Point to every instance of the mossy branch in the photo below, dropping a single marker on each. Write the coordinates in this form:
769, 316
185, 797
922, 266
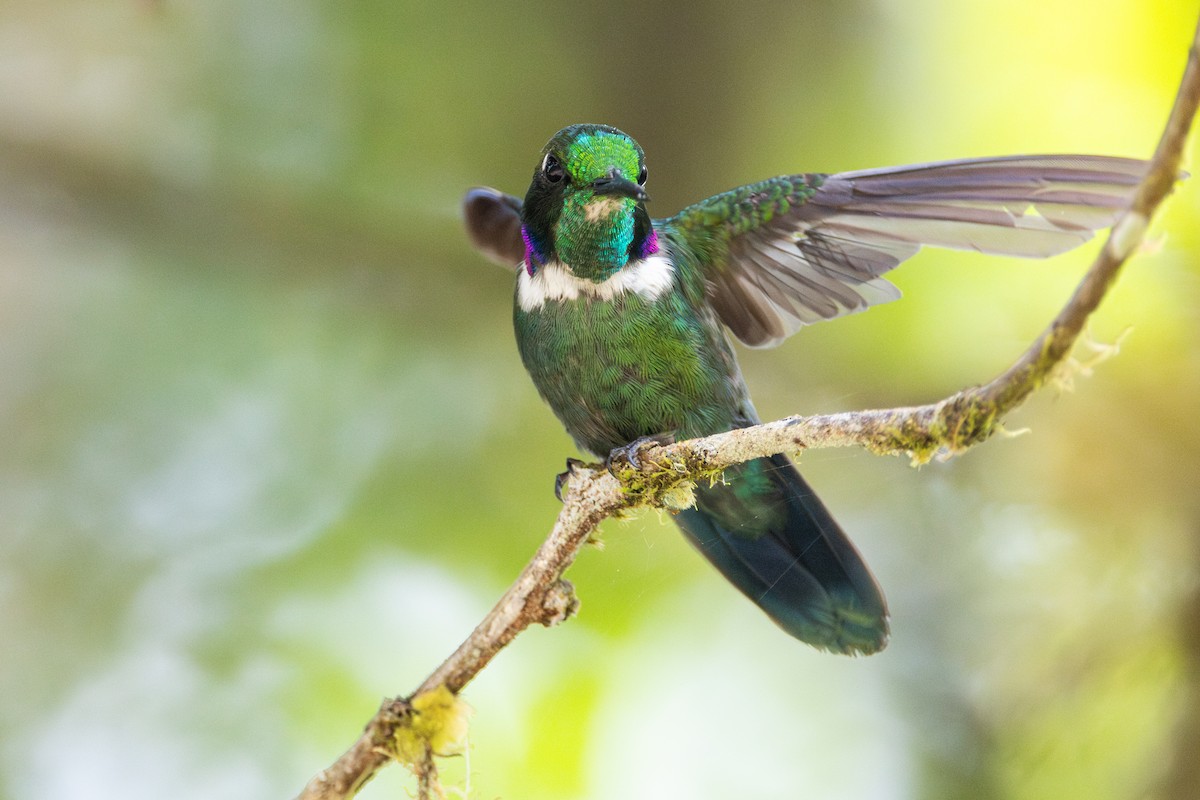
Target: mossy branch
431, 721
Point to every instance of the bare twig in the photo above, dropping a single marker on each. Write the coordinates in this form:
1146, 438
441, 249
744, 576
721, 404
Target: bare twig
541, 596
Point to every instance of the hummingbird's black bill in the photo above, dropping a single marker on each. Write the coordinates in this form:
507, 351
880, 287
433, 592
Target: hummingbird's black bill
615, 184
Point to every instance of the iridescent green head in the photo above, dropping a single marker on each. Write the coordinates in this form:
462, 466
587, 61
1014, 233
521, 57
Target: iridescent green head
586, 205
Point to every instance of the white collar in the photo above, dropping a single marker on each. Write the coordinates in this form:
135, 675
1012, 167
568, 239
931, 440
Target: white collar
650, 277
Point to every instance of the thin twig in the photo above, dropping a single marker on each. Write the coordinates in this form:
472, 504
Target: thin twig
541, 596
428, 787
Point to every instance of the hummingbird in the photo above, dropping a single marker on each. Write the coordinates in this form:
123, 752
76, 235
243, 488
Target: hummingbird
625, 323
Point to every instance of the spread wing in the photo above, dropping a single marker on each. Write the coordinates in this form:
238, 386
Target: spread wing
798, 249
493, 221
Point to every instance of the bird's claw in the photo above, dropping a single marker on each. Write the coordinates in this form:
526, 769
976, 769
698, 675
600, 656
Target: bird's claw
630, 452
560, 480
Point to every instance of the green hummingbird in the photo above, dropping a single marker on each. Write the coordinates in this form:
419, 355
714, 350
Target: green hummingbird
623, 321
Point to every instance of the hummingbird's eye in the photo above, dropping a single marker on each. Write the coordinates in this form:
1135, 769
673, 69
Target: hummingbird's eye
552, 169
642, 176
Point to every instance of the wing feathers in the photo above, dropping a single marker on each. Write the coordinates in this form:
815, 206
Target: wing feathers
975, 173
1038, 237
493, 222
823, 255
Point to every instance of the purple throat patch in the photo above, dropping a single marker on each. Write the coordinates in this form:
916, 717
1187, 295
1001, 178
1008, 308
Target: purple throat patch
533, 258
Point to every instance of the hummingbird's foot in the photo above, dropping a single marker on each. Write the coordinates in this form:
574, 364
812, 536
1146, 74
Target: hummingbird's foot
630, 452
560, 480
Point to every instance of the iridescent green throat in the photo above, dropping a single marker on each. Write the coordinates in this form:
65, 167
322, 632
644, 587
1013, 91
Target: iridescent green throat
594, 234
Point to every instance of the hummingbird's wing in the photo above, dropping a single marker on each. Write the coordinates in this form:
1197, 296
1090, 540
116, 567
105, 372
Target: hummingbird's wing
799, 249
493, 221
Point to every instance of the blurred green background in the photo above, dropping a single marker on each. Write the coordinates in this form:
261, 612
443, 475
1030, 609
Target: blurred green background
267, 452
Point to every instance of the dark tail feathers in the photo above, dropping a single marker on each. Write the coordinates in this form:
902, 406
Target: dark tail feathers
769, 534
